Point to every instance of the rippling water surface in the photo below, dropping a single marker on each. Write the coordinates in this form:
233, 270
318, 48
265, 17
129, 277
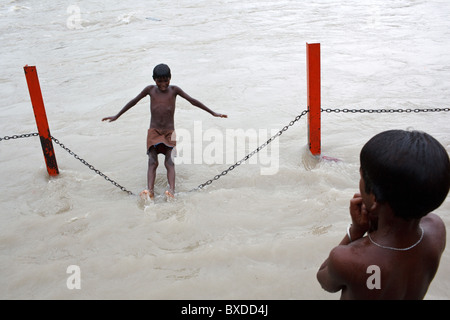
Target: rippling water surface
248, 235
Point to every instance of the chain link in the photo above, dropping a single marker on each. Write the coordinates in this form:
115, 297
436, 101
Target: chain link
101, 174
35, 134
19, 136
225, 172
248, 156
385, 110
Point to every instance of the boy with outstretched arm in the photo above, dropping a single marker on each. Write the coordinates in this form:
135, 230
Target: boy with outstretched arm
161, 134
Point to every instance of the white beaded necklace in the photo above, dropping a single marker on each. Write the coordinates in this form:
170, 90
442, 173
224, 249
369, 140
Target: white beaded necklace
398, 249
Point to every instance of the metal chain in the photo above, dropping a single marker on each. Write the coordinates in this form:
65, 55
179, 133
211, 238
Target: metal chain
238, 163
101, 174
18, 136
385, 110
35, 134
225, 172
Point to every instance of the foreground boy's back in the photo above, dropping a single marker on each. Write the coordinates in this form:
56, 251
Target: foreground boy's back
404, 176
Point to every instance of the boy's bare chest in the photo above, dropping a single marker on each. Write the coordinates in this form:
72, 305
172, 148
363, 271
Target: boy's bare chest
162, 106
166, 99
162, 109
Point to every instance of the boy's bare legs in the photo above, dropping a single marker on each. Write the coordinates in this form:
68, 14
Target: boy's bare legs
151, 174
170, 167
153, 165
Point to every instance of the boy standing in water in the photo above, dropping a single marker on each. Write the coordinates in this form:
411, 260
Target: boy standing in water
161, 135
404, 176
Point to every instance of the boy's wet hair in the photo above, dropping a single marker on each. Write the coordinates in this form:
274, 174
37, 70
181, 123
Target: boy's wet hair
409, 170
161, 71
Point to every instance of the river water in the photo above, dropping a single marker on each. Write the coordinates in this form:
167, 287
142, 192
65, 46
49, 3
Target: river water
262, 230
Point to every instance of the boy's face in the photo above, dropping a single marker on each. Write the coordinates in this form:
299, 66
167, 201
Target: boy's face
369, 204
162, 83
362, 190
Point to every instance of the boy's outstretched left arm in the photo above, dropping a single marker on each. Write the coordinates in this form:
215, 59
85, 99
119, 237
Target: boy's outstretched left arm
197, 103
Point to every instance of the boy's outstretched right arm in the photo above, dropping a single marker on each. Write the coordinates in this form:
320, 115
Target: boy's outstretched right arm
129, 105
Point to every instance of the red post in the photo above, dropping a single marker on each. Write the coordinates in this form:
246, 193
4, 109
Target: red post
41, 119
313, 92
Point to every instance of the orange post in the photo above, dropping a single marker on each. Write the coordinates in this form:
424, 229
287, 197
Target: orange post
41, 119
313, 92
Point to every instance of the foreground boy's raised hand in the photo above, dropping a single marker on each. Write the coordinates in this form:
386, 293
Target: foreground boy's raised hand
360, 217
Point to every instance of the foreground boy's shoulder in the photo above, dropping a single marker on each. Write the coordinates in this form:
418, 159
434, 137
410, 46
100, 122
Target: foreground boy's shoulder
433, 224
433, 218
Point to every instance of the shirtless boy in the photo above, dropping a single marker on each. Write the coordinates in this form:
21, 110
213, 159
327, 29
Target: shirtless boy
161, 135
404, 176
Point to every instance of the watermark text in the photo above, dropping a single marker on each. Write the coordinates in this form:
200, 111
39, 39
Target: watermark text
374, 280
214, 146
74, 280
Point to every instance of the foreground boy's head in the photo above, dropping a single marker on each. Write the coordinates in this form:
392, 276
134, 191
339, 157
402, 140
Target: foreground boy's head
409, 170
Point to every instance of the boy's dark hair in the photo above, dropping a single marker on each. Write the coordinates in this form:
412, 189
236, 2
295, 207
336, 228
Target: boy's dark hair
161, 71
409, 170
